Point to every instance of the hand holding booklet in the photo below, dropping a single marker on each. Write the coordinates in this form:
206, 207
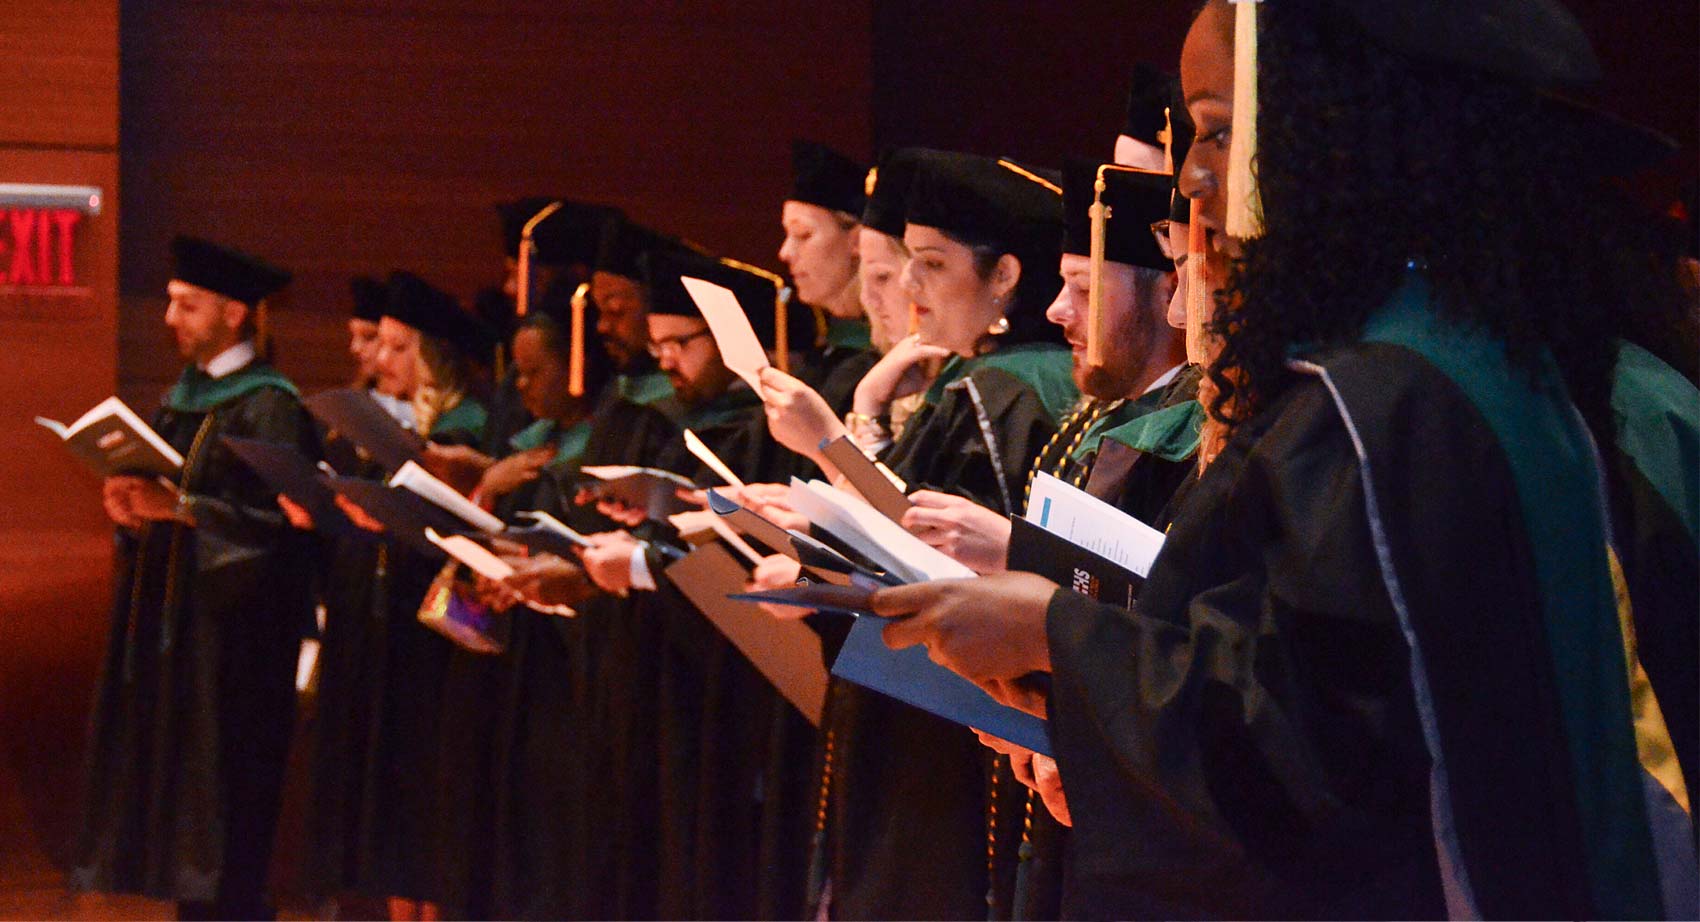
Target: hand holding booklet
650, 489
907, 675
111, 439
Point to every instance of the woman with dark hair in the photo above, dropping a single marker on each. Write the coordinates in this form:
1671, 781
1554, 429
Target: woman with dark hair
1318, 706
536, 708
984, 238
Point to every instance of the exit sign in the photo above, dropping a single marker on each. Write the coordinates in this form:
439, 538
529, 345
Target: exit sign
39, 226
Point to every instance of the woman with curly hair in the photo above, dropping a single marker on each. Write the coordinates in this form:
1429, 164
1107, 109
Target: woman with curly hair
1377, 669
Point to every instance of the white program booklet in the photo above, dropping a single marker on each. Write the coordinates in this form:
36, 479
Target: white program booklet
415, 478
1093, 524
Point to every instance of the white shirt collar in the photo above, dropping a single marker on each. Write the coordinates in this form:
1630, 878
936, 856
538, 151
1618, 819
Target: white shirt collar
1163, 379
230, 360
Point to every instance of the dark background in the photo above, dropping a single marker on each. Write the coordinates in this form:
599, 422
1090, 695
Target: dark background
344, 136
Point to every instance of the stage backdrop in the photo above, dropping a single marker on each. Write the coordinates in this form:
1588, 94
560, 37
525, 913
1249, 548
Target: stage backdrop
58, 352
344, 136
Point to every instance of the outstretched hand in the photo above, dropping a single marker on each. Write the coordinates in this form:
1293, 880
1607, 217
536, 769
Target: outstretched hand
990, 630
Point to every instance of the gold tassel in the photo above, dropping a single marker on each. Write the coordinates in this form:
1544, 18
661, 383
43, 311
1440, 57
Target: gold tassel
575, 360
1168, 140
1198, 300
527, 250
1245, 203
1100, 215
914, 318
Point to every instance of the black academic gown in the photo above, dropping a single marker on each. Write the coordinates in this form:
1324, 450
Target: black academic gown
715, 713
910, 798
196, 704
376, 825
1258, 738
1132, 454
542, 718
617, 859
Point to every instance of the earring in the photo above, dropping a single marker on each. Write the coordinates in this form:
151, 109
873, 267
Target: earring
999, 327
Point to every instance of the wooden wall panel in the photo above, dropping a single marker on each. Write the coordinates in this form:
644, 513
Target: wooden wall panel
60, 73
58, 124
344, 137
1047, 81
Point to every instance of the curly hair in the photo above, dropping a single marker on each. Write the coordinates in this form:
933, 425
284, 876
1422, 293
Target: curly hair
1368, 160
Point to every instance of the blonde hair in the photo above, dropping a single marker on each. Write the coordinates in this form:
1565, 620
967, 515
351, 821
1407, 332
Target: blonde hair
443, 378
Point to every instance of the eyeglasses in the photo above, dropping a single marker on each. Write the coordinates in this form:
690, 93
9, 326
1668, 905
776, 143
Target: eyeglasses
1160, 230
659, 346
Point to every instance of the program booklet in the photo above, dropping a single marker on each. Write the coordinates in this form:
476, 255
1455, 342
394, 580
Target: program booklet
112, 439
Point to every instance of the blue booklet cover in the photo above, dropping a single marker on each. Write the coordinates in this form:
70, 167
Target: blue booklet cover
909, 676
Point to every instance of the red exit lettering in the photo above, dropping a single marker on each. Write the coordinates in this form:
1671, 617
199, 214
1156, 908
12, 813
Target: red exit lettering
36, 246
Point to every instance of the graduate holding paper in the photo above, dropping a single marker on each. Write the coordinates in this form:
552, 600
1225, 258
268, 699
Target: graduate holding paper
373, 824
212, 597
1317, 707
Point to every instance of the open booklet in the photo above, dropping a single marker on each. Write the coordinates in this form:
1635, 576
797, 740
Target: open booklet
651, 489
354, 415
485, 563
907, 675
288, 472
1077, 540
112, 439
546, 535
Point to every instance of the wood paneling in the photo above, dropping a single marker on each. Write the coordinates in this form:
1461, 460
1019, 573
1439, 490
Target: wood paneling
58, 124
59, 79
344, 137
1046, 81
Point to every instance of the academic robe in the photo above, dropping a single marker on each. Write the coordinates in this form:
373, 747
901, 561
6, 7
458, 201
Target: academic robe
1376, 669
716, 714
1147, 446
617, 859
195, 709
910, 801
375, 827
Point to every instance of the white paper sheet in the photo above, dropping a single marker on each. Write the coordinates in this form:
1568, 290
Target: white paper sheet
873, 535
1093, 524
707, 456
740, 349
420, 481
481, 561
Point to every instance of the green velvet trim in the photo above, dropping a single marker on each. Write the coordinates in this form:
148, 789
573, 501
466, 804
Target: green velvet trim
198, 392
1658, 427
1170, 433
1553, 467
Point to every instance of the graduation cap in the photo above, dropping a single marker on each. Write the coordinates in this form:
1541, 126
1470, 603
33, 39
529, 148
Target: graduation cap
1110, 210
369, 297
778, 321
1537, 44
1151, 95
434, 312
228, 272
996, 203
623, 243
887, 187
1131, 198
822, 176
567, 235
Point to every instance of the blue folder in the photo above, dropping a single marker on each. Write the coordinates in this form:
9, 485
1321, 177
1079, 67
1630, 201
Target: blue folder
909, 676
